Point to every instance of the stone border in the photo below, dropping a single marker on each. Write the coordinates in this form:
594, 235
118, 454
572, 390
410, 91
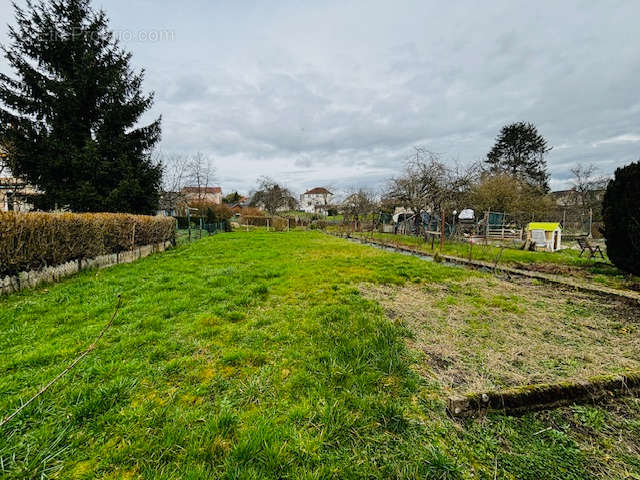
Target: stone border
486, 266
34, 278
518, 400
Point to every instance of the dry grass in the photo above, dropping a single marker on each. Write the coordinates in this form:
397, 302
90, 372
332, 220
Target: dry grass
485, 333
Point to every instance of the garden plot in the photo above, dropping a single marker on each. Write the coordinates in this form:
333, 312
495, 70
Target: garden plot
484, 333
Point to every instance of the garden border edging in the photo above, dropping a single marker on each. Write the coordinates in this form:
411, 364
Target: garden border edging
518, 400
33, 278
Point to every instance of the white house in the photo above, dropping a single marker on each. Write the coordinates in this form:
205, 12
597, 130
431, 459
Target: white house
317, 200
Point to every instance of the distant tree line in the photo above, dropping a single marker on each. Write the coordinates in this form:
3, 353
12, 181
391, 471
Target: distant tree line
513, 179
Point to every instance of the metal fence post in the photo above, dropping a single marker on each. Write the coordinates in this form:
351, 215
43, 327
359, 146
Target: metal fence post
189, 222
442, 231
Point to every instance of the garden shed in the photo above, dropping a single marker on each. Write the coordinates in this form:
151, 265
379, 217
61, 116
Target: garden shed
547, 235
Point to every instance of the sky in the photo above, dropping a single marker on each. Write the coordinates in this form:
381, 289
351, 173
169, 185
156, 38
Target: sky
336, 93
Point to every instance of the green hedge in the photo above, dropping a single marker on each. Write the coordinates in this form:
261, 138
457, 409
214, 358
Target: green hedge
29, 241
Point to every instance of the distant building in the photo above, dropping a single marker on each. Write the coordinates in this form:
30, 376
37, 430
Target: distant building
237, 207
170, 204
202, 194
15, 195
174, 204
572, 198
317, 200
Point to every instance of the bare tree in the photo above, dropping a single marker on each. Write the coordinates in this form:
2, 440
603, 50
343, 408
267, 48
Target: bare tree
358, 205
272, 196
427, 184
200, 173
586, 183
174, 171
174, 178
180, 171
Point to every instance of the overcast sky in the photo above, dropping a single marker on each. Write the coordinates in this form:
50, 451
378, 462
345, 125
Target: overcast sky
337, 92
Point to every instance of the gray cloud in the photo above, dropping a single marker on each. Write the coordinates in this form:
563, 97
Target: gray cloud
338, 92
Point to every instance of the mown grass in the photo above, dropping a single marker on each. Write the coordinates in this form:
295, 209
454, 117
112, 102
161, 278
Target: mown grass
254, 355
563, 262
182, 236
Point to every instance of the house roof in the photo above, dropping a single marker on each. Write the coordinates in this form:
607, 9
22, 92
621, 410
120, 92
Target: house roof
201, 190
12, 181
559, 193
546, 226
318, 191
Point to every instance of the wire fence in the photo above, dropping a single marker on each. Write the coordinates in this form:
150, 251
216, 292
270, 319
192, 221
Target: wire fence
196, 229
489, 225
484, 228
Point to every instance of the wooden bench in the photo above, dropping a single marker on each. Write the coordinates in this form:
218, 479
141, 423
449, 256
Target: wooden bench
584, 244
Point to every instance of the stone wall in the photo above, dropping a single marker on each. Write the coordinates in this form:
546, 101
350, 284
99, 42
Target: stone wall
34, 278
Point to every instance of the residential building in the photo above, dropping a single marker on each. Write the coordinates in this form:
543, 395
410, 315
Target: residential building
171, 204
202, 194
15, 195
236, 207
571, 198
317, 200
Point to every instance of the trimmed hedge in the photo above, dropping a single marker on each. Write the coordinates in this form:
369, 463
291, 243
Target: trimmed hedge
30, 241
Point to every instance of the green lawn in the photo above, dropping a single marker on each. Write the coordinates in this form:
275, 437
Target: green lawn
255, 355
563, 262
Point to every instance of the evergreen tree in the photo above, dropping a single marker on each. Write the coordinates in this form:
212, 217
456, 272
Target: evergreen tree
621, 214
71, 112
519, 151
232, 198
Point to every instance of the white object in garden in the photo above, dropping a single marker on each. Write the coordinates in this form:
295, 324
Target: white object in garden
547, 235
466, 214
539, 238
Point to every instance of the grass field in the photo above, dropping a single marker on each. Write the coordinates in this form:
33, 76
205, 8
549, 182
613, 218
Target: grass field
256, 355
564, 262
